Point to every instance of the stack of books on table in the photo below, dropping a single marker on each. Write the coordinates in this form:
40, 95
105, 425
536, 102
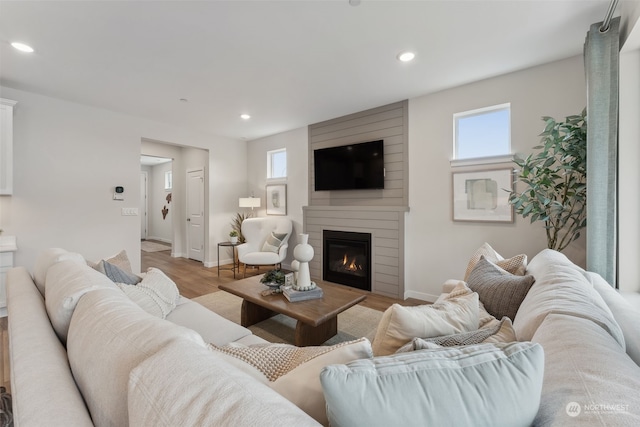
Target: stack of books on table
295, 296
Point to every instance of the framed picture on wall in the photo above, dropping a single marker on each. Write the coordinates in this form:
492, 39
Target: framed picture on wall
483, 195
276, 199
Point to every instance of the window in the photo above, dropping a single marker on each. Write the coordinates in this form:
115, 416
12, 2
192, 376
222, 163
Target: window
277, 163
168, 180
482, 133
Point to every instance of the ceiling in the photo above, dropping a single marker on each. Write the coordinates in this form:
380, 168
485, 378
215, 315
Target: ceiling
286, 63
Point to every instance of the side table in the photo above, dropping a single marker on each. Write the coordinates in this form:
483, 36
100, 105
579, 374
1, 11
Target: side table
234, 253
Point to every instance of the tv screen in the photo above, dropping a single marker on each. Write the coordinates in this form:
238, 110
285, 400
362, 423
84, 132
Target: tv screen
350, 167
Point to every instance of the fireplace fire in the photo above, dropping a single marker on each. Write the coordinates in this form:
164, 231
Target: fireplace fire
347, 258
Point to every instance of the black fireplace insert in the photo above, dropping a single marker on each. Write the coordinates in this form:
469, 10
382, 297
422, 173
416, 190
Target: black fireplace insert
347, 258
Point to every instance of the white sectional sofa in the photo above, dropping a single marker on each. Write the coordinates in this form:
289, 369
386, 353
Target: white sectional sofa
117, 365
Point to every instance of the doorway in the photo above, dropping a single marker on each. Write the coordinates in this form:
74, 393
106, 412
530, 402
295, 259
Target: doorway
156, 209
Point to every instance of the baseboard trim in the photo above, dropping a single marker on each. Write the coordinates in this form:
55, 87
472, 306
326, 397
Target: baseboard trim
421, 296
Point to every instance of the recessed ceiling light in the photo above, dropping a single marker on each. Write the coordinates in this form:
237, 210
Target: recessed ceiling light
245, 116
406, 56
22, 47
184, 100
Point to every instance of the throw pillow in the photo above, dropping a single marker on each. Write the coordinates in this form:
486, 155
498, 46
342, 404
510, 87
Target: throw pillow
117, 274
501, 331
500, 292
294, 371
485, 384
156, 294
273, 242
516, 265
400, 324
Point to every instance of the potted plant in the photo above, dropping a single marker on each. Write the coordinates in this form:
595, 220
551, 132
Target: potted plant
236, 224
233, 236
555, 181
273, 278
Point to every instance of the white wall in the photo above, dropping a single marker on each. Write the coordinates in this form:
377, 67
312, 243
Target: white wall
297, 144
67, 160
629, 152
438, 248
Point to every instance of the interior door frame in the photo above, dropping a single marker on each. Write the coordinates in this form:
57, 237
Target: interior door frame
145, 205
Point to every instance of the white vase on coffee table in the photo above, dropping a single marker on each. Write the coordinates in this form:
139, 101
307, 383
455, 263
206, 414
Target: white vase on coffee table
303, 253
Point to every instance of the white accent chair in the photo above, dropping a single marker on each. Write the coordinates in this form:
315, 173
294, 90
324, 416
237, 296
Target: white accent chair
255, 232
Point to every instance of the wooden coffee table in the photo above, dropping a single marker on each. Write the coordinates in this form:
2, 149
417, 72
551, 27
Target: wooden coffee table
317, 319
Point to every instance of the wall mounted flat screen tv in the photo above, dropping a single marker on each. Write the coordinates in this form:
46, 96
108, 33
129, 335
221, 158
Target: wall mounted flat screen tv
349, 167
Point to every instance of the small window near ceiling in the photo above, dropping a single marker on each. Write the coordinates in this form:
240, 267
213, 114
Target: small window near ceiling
485, 132
168, 180
277, 163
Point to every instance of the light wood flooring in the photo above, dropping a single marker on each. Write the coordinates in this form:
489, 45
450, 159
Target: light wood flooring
193, 280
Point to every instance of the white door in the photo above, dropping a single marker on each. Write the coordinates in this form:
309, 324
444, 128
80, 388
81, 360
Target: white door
143, 205
195, 214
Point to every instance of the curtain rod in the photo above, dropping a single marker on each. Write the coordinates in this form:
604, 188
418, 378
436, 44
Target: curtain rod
607, 19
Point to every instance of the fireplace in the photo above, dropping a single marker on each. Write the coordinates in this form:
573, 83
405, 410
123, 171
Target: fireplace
347, 258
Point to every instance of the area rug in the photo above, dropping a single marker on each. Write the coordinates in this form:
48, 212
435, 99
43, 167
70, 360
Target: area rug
354, 323
148, 246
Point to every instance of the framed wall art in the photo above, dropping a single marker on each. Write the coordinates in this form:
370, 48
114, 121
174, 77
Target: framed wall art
277, 199
483, 195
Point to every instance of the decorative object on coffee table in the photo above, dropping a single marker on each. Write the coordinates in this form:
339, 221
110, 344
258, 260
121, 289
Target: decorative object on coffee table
273, 279
303, 253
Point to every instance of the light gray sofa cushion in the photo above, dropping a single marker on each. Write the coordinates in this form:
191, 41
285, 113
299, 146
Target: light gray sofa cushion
67, 282
584, 365
49, 257
43, 389
626, 315
186, 385
212, 327
479, 385
110, 335
561, 287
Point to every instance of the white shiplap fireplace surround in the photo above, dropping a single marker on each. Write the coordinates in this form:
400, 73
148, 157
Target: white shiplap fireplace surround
378, 212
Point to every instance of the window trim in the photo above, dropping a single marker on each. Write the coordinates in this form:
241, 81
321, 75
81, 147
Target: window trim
481, 159
168, 180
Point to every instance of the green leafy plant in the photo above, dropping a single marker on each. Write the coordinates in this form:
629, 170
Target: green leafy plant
555, 181
233, 233
236, 225
273, 276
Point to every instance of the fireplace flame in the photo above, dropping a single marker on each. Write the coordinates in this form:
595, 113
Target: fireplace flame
350, 265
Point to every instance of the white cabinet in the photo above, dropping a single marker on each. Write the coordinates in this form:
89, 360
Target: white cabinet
7, 248
6, 146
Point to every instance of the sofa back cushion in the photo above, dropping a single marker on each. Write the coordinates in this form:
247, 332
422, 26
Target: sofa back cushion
42, 386
67, 282
187, 385
110, 335
588, 380
46, 259
561, 287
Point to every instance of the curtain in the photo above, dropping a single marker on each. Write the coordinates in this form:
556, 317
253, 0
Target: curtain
601, 52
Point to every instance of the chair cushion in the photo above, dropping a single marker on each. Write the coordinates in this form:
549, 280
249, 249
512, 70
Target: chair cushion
479, 385
261, 258
273, 242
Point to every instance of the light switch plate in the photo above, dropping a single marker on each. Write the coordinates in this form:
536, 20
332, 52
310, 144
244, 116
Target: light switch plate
129, 211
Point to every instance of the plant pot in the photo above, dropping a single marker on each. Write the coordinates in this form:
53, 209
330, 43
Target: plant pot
233, 239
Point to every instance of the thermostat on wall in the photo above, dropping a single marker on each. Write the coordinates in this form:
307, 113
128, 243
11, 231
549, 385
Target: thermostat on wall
118, 193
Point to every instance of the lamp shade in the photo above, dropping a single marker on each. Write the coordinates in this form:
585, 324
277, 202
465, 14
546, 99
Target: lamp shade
249, 202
